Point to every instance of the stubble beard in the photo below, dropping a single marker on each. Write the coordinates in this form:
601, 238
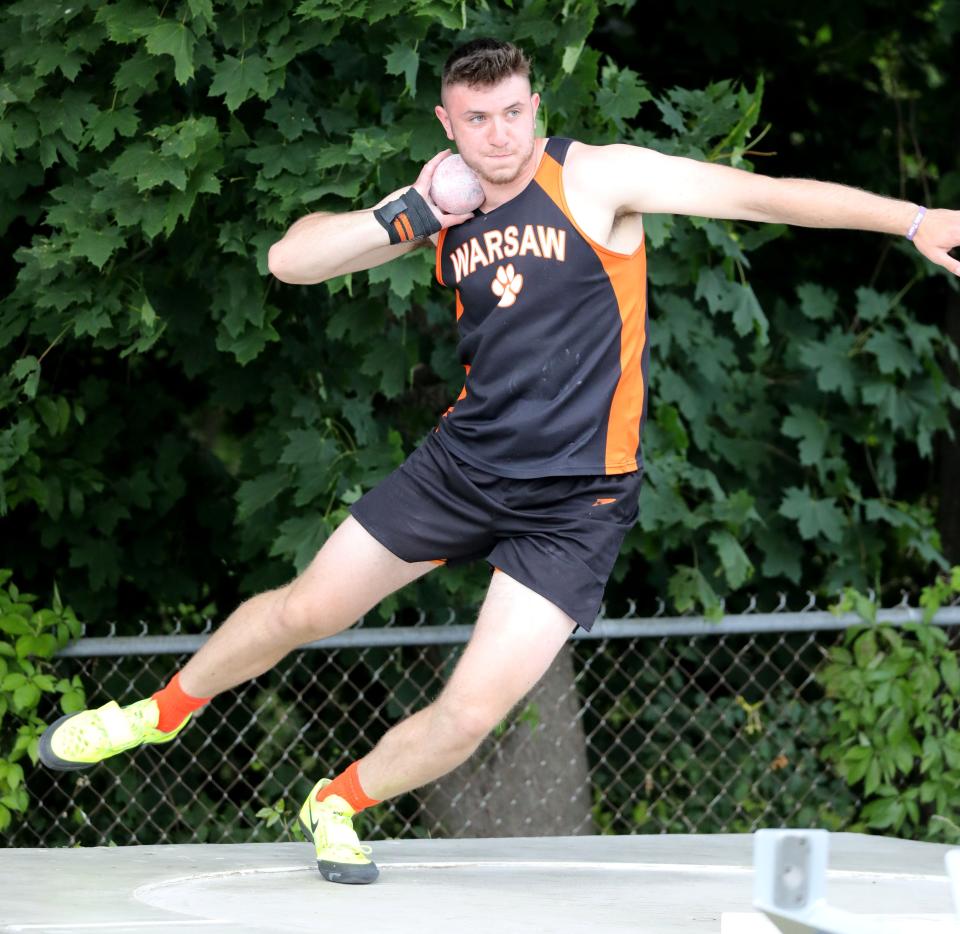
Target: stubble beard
505, 176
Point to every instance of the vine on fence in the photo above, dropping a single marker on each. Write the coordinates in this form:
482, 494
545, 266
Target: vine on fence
29, 637
892, 732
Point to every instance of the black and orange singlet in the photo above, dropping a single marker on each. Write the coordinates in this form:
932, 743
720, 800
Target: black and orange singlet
553, 338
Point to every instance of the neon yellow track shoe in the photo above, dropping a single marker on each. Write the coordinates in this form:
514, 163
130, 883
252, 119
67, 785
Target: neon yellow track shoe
79, 740
340, 855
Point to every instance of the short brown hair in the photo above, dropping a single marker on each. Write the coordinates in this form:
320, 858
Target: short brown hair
483, 63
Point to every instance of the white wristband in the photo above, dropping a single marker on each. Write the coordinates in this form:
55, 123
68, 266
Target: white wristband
916, 223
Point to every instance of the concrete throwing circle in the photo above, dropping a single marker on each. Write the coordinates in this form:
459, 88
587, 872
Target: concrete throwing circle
507, 896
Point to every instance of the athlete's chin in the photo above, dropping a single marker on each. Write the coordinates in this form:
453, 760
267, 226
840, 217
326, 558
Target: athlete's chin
500, 179
502, 176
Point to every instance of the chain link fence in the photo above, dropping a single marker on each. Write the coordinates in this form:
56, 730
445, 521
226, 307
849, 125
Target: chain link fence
645, 725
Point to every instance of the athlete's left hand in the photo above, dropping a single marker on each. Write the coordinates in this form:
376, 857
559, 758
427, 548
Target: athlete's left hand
938, 233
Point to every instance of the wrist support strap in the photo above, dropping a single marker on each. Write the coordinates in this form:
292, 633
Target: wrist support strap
407, 218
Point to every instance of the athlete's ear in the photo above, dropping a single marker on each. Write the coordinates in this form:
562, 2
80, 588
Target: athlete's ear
535, 103
444, 119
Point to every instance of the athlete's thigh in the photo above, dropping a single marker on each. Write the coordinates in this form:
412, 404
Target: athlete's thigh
517, 636
350, 575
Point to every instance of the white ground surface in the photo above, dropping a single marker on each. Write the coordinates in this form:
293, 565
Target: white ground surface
658, 884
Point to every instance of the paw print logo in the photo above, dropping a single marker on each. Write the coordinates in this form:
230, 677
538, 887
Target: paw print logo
506, 285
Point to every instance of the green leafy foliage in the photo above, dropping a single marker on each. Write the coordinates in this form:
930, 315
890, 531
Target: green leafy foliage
29, 637
891, 728
148, 356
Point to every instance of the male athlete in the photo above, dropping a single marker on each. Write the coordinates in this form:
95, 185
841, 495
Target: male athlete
536, 466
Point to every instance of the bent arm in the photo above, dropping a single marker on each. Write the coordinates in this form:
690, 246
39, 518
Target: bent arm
645, 181
322, 246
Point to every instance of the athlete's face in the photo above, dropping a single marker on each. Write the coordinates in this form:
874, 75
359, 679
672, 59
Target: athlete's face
494, 127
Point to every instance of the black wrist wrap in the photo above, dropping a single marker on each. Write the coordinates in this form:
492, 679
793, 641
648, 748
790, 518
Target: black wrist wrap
407, 218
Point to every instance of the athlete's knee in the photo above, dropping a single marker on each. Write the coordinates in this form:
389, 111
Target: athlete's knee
462, 722
298, 614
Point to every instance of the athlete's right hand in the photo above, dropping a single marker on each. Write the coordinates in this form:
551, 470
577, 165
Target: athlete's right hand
423, 183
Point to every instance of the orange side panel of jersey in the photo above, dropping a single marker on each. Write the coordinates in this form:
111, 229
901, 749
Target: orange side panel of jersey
463, 392
440, 239
623, 427
628, 277
466, 366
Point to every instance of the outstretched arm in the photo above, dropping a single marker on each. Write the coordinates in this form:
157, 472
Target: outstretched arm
646, 181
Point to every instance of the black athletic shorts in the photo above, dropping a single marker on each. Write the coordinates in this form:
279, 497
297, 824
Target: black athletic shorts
559, 536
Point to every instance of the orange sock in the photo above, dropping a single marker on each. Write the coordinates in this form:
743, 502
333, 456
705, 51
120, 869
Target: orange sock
175, 704
347, 786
